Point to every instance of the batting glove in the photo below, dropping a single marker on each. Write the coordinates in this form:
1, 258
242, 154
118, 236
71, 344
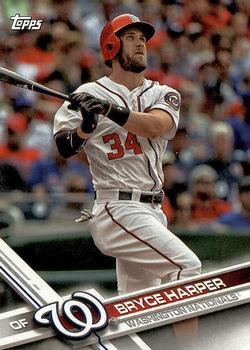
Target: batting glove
84, 103
95, 105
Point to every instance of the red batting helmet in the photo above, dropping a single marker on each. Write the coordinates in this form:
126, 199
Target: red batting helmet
109, 39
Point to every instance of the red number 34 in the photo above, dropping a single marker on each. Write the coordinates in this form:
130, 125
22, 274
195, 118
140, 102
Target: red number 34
131, 143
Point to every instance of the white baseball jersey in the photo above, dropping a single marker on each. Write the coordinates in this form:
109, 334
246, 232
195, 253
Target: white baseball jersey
118, 158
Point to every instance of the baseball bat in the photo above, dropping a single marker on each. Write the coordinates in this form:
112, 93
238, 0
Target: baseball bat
18, 80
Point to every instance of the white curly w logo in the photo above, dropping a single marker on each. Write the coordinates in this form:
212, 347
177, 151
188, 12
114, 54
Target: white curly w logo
81, 326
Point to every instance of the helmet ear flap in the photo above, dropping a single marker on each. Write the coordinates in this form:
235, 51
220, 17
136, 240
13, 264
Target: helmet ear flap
109, 46
112, 46
117, 55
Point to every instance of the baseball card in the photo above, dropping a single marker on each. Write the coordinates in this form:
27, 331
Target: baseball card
124, 175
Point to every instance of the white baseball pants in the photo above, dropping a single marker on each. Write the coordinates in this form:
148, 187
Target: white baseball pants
147, 253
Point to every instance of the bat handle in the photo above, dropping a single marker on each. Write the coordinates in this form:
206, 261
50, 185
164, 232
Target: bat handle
39, 88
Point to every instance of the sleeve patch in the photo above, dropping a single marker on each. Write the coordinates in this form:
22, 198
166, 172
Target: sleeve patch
173, 100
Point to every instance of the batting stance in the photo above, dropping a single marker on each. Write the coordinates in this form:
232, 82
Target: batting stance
123, 122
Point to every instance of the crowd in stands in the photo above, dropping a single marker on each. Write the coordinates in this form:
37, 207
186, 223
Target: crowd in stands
201, 48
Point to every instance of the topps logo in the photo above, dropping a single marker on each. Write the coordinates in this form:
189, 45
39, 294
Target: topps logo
25, 22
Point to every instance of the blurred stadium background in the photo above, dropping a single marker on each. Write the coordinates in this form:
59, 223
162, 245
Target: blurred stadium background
200, 48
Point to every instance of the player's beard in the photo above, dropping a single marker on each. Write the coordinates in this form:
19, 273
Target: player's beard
132, 64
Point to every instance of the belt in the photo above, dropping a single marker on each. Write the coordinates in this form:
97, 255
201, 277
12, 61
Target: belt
144, 197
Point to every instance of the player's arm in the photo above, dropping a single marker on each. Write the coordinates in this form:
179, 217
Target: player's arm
156, 123
69, 141
153, 124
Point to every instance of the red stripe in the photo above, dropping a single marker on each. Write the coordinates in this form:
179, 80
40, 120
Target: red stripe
139, 103
142, 241
152, 84
149, 165
115, 93
151, 144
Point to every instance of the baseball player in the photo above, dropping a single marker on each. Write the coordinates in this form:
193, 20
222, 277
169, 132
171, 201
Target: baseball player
123, 122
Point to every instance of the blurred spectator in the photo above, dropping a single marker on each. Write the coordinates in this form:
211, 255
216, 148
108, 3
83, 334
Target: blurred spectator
63, 13
10, 178
183, 213
211, 86
70, 51
76, 183
75, 198
207, 207
240, 123
174, 182
246, 163
167, 168
165, 73
210, 14
39, 136
239, 219
222, 159
180, 146
13, 152
34, 54
196, 123
56, 176
37, 53
239, 25
30, 121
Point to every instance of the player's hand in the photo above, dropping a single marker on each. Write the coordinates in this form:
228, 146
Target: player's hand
87, 102
84, 103
91, 104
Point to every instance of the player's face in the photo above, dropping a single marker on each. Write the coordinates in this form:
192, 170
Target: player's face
133, 57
